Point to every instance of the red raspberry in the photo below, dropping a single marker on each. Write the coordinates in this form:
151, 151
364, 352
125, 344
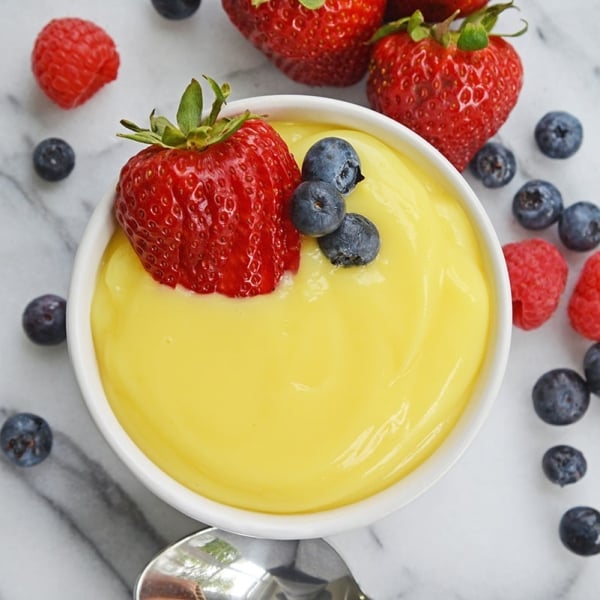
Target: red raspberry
72, 59
584, 304
538, 276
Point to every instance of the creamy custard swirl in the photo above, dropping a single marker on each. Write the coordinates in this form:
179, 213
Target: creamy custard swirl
324, 392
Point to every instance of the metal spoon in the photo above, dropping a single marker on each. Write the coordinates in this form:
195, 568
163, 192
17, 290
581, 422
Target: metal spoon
215, 565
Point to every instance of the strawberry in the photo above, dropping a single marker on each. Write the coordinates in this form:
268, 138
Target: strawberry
315, 42
72, 59
455, 88
206, 205
433, 10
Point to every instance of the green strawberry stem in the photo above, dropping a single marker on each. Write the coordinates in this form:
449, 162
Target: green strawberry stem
472, 34
191, 131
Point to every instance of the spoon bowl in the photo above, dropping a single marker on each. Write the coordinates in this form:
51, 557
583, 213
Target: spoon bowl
212, 564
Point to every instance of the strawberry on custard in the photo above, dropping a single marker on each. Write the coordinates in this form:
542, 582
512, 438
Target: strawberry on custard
206, 205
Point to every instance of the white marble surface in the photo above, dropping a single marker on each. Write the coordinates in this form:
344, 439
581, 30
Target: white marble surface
80, 525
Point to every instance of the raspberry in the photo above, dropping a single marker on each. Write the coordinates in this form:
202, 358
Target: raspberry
538, 276
72, 59
584, 304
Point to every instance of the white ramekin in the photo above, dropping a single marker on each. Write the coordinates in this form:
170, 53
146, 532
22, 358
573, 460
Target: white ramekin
316, 524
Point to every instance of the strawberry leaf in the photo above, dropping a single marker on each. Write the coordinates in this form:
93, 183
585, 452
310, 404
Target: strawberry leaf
390, 28
416, 27
189, 113
158, 124
191, 131
173, 137
143, 138
131, 125
487, 18
230, 126
472, 37
472, 34
198, 137
415, 20
221, 94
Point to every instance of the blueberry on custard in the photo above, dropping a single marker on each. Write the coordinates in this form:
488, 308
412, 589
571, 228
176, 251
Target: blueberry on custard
317, 208
333, 160
355, 242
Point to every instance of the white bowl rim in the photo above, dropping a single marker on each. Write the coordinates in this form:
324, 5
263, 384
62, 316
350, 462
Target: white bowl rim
339, 113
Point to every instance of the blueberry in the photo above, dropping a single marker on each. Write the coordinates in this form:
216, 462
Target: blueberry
53, 159
564, 464
44, 320
26, 439
591, 368
176, 9
494, 164
558, 134
537, 204
560, 397
335, 161
317, 208
355, 242
579, 226
579, 530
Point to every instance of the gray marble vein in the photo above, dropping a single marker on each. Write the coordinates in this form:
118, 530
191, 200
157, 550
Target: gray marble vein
93, 506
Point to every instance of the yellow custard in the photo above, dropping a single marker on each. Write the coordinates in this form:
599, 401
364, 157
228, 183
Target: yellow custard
324, 392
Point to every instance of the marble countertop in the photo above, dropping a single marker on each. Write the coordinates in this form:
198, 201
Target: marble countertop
80, 525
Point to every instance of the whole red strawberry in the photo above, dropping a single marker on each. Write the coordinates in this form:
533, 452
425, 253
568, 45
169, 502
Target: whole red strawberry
538, 276
584, 304
433, 10
206, 205
72, 59
454, 88
316, 42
